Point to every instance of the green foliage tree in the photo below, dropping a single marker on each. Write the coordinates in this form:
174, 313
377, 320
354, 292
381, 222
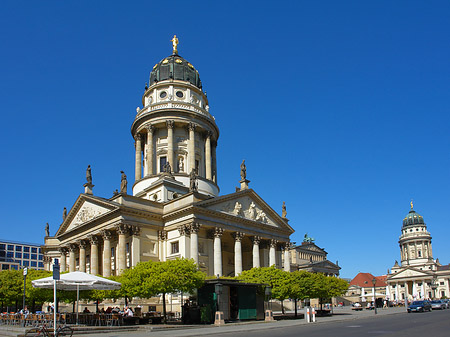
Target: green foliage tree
11, 286
278, 280
150, 278
325, 287
37, 295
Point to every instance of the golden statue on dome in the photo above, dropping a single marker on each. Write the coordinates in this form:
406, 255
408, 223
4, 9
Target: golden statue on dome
411, 204
175, 44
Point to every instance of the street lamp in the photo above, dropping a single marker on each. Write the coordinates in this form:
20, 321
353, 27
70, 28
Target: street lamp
374, 281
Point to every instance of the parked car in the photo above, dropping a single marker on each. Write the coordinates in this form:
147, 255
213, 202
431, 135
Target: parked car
447, 301
438, 304
419, 306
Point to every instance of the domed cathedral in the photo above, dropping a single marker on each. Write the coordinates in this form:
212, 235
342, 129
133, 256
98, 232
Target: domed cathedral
418, 276
174, 209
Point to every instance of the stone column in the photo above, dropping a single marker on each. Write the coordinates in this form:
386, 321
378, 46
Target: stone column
106, 235
150, 129
122, 230
138, 170
214, 162
63, 251
170, 153
135, 245
191, 148
94, 254
218, 251
238, 252
272, 249
72, 248
208, 156
256, 240
194, 228
287, 260
162, 237
82, 244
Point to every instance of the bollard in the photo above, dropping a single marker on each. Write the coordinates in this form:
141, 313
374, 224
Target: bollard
307, 315
269, 315
313, 312
219, 318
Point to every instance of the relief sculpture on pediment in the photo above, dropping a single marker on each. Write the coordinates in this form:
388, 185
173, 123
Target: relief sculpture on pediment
85, 214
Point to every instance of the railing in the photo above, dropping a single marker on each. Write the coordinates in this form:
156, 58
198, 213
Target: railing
35, 320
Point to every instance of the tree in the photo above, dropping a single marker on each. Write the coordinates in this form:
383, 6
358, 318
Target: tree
11, 287
301, 286
325, 287
37, 295
150, 278
277, 279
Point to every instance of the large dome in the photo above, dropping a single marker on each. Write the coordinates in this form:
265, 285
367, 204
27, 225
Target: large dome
413, 218
174, 67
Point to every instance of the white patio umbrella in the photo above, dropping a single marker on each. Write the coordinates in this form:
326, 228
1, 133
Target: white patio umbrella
77, 280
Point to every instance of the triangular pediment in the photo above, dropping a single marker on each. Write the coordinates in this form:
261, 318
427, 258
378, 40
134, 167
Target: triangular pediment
85, 210
246, 205
311, 247
409, 272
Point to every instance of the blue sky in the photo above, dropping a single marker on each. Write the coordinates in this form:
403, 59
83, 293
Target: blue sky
340, 108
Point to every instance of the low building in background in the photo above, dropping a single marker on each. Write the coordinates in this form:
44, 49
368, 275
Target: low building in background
361, 289
18, 255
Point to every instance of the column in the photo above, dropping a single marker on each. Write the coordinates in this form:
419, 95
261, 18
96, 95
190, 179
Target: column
162, 237
121, 251
138, 170
414, 289
135, 245
256, 240
94, 254
287, 260
272, 257
63, 251
106, 235
150, 129
191, 147
238, 252
194, 228
208, 156
82, 244
214, 162
406, 291
218, 251
170, 153
72, 248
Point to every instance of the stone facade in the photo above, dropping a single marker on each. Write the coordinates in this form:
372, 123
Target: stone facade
164, 217
309, 257
418, 276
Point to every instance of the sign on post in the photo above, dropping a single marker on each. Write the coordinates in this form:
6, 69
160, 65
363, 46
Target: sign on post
56, 269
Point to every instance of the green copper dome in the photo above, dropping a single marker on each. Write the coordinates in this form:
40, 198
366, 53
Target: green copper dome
174, 67
413, 218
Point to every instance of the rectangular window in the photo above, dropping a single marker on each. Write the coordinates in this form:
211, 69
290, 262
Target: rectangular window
40, 250
26, 263
2, 246
162, 163
175, 247
41, 264
41, 257
442, 294
127, 247
33, 263
10, 247
112, 252
441, 283
5, 267
33, 256
2, 253
26, 249
26, 255
9, 254
33, 249
197, 165
18, 248
18, 255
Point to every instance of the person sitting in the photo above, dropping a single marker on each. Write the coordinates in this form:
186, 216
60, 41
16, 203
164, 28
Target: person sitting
128, 312
86, 311
24, 312
102, 311
108, 310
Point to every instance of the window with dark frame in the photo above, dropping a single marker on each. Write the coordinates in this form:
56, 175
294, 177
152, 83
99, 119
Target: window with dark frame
175, 247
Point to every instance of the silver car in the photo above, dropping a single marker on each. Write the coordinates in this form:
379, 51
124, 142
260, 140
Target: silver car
438, 304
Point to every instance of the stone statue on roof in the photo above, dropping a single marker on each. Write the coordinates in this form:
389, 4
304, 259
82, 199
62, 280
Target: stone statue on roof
193, 186
47, 229
123, 183
283, 211
64, 214
243, 170
89, 175
308, 239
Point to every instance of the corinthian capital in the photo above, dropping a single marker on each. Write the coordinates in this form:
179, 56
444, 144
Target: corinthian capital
106, 234
218, 232
191, 126
121, 228
150, 128
169, 124
238, 236
194, 227
138, 137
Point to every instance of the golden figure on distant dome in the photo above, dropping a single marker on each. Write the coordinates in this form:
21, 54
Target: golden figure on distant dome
411, 204
175, 44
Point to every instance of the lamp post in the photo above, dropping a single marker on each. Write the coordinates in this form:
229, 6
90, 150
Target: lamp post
374, 281
25, 272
